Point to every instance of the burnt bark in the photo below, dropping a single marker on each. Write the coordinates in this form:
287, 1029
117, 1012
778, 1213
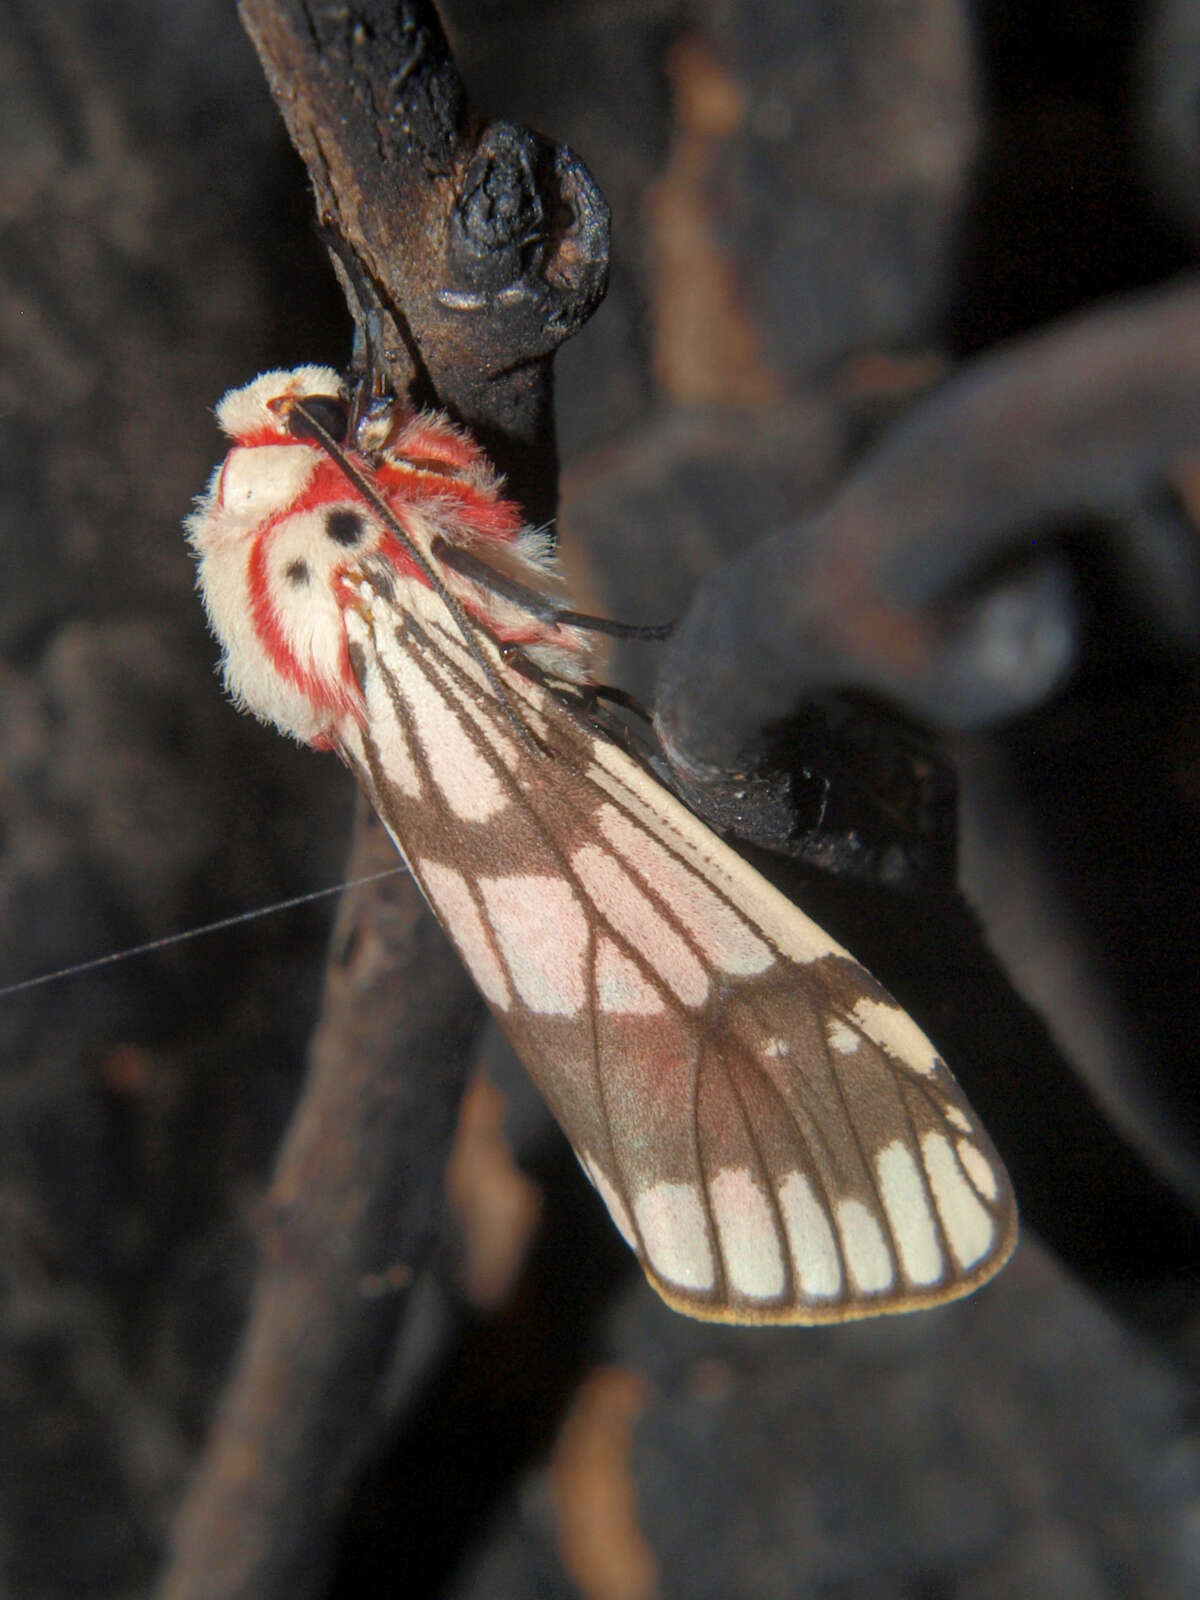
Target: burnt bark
479, 247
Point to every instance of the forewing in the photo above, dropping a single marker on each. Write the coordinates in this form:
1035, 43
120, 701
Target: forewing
773, 1136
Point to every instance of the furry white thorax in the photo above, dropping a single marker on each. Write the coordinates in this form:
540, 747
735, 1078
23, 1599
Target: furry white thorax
255, 486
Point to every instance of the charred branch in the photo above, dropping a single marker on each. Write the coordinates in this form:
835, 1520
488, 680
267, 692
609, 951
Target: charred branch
892, 590
344, 1227
477, 248
482, 245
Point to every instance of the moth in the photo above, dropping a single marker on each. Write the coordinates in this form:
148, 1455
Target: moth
772, 1135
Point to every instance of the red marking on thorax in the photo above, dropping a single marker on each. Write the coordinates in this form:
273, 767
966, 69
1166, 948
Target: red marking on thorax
327, 698
403, 483
328, 486
437, 444
403, 486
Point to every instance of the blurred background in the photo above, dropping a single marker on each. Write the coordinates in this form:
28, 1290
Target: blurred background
820, 214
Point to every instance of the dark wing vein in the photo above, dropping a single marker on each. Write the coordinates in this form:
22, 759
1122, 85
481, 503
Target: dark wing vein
555, 791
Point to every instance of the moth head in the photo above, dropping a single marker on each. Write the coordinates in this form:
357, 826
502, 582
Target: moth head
276, 449
266, 411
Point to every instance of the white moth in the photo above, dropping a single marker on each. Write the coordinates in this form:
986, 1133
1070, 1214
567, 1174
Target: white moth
772, 1135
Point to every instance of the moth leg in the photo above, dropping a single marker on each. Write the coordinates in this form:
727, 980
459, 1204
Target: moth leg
583, 697
596, 692
588, 700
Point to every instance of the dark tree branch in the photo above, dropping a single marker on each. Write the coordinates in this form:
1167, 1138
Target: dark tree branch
481, 247
891, 589
485, 245
345, 1224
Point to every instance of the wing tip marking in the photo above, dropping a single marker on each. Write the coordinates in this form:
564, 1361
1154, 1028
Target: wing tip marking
895, 1032
816, 1260
978, 1169
868, 1257
906, 1203
969, 1227
747, 1234
674, 1229
608, 1192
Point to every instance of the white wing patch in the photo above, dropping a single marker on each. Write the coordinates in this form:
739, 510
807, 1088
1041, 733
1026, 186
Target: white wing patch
469, 784
724, 939
623, 905
544, 936
867, 1255
454, 903
502, 744
842, 1038
396, 757
746, 1228
895, 1031
674, 1231
612, 1199
978, 1168
907, 1206
775, 917
621, 987
814, 1250
966, 1221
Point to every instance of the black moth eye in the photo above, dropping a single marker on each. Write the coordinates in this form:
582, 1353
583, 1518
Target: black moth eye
326, 410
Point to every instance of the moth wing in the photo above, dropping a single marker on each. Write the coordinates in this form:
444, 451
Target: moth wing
772, 1135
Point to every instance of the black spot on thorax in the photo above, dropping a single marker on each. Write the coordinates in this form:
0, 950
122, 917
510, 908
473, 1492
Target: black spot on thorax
345, 527
296, 572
